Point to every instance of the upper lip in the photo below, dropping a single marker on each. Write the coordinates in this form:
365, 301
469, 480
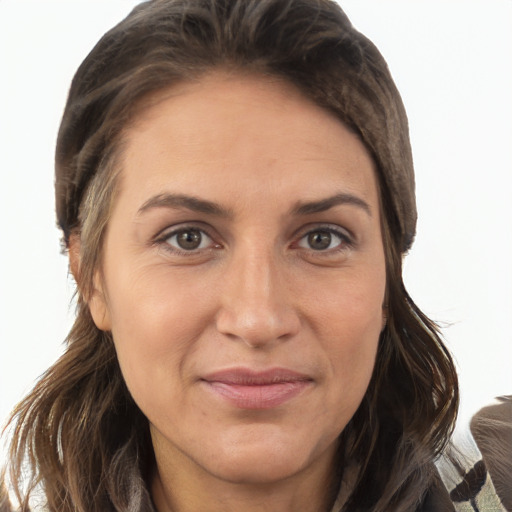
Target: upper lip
250, 377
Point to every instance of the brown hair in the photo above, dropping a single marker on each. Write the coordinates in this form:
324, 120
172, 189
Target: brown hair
85, 440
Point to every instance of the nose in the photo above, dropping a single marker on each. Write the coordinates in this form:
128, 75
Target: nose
257, 304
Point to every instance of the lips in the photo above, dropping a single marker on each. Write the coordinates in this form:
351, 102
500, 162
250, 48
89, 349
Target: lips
248, 389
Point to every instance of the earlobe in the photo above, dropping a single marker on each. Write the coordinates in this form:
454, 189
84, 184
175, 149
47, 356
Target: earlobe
98, 308
96, 300
74, 255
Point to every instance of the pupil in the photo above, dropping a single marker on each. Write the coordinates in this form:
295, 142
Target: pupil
189, 239
319, 240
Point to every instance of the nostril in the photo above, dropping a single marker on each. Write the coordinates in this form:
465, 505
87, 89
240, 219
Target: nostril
258, 328
254, 301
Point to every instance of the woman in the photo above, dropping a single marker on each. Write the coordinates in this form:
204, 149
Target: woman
235, 187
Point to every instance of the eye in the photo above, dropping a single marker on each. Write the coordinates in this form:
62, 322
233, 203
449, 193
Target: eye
188, 239
323, 239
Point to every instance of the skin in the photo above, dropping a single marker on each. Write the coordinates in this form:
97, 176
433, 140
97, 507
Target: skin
255, 294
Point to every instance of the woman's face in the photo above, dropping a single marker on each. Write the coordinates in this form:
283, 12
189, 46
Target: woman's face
243, 277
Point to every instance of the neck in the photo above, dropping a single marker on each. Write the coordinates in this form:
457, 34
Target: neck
179, 485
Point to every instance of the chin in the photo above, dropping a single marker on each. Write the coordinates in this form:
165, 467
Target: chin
264, 459
261, 468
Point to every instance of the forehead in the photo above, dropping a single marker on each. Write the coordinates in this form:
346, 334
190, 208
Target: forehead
253, 131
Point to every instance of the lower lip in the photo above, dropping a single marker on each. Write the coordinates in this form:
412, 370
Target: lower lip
265, 396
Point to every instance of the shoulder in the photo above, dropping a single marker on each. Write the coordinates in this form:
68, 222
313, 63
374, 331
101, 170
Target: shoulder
491, 428
477, 464
437, 498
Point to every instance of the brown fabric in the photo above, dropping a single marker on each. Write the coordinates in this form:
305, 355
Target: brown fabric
437, 498
492, 429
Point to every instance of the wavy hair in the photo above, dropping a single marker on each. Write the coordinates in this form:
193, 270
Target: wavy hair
83, 439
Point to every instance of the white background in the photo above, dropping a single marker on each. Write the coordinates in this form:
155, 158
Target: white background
452, 61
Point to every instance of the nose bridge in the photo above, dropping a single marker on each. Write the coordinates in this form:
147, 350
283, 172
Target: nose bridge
256, 306
258, 277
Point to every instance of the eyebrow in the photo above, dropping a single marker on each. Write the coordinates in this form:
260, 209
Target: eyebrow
308, 208
178, 201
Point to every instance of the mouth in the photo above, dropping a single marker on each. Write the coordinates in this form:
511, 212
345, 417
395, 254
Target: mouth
249, 389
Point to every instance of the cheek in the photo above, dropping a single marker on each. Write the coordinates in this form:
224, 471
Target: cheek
158, 302
352, 349
156, 321
350, 308
349, 319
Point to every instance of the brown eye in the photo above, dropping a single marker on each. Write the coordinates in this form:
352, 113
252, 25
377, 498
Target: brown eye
319, 240
324, 240
188, 239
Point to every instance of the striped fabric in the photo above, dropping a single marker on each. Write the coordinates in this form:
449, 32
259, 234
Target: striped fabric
465, 476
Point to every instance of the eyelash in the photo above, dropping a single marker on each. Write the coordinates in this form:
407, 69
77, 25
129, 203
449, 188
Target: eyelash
345, 240
163, 240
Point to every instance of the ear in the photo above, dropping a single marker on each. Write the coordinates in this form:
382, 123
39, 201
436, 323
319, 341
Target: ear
74, 255
96, 300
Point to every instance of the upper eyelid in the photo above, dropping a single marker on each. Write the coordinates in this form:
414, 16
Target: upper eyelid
162, 240
169, 231
344, 241
326, 226
209, 231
